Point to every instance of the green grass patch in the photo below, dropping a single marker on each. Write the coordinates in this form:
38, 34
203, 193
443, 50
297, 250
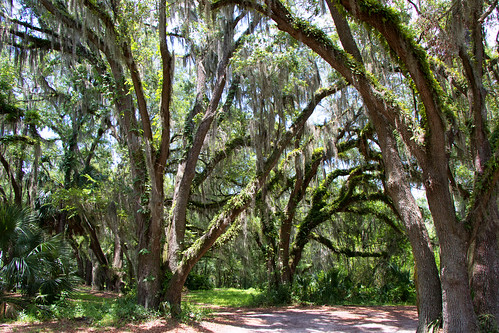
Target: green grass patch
84, 294
226, 297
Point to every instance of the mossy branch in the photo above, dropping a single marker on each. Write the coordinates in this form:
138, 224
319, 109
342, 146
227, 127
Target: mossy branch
346, 252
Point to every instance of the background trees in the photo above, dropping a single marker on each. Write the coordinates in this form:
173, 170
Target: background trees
175, 126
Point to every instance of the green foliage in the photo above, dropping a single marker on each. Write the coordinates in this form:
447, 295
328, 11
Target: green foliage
7, 105
271, 296
336, 286
96, 310
125, 308
398, 286
197, 281
31, 261
13, 220
189, 313
325, 287
488, 323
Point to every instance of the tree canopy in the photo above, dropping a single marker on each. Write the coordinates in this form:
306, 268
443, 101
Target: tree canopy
257, 143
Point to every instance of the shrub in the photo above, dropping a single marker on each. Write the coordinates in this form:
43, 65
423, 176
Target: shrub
198, 282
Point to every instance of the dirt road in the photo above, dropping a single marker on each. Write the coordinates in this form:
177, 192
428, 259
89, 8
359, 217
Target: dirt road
341, 319
316, 319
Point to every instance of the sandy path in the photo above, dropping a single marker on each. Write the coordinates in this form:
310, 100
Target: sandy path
316, 319
381, 319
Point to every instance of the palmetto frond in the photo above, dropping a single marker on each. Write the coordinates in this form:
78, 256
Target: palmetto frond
31, 261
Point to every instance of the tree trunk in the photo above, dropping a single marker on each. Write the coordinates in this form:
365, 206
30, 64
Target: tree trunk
33, 189
484, 254
146, 296
117, 264
428, 287
97, 276
88, 271
458, 312
287, 222
149, 268
16, 187
174, 290
483, 214
301, 184
269, 241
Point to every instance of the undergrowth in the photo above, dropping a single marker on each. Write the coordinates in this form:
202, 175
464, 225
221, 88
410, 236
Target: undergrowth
91, 309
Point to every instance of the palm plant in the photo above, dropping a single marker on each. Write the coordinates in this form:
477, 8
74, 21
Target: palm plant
31, 261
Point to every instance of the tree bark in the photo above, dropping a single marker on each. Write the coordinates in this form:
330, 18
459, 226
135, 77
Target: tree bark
428, 287
485, 267
16, 187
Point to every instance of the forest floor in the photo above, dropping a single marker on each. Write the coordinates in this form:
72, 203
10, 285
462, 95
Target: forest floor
226, 319
381, 319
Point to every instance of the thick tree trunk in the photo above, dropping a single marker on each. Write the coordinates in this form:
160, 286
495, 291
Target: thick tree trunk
16, 187
106, 273
458, 312
149, 266
177, 225
428, 286
174, 290
483, 214
269, 242
88, 271
484, 258
97, 276
117, 264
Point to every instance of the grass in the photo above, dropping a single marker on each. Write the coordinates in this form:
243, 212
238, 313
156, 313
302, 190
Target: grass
226, 297
85, 294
